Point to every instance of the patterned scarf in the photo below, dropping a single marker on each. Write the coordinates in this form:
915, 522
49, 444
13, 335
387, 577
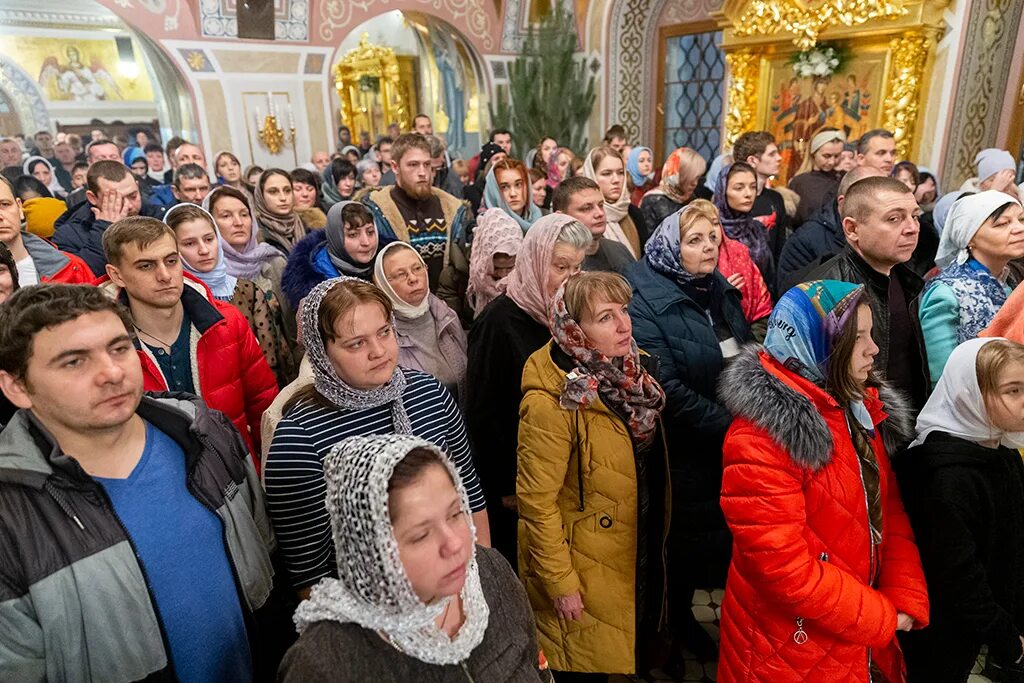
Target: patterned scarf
670, 176
288, 229
662, 250
741, 226
622, 383
326, 380
496, 233
978, 293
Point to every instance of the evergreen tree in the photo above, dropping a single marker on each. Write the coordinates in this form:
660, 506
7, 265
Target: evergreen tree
550, 93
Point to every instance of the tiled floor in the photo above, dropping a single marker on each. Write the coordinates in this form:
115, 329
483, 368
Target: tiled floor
707, 608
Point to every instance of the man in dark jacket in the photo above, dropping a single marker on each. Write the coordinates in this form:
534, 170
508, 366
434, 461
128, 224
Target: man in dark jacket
136, 542
880, 220
820, 237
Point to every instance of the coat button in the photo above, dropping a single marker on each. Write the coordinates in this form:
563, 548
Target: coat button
605, 522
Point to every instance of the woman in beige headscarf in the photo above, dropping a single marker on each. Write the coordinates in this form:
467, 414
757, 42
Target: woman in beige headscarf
606, 168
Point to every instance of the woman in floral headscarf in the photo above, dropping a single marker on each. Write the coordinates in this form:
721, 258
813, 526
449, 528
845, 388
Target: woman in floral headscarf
824, 567
591, 468
679, 176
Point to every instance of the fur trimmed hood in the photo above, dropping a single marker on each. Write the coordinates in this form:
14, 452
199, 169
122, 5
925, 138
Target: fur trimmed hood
786, 406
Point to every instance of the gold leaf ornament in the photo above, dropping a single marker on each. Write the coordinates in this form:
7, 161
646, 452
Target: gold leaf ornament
806, 21
906, 73
744, 73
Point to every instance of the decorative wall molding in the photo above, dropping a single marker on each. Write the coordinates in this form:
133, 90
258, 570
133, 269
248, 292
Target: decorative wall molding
906, 72
741, 100
468, 16
991, 33
70, 18
291, 19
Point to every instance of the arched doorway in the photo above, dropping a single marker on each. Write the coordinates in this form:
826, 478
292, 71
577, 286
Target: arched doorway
441, 71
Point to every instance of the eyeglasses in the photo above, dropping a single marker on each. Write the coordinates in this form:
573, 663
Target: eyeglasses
416, 270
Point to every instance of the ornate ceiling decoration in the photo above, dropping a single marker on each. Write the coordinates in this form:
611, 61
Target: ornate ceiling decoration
807, 20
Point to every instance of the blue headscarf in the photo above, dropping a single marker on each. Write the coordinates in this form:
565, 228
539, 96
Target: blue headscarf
633, 166
805, 323
130, 154
219, 280
662, 250
493, 199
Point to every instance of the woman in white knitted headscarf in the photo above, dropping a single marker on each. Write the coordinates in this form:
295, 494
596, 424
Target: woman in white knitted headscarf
414, 600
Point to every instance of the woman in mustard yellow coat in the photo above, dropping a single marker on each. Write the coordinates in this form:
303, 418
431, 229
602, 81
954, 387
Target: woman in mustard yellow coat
591, 483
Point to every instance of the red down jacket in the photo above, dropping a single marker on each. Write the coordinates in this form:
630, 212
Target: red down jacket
233, 376
793, 497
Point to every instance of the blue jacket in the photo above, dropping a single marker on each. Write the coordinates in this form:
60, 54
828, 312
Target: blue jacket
816, 241
309, 264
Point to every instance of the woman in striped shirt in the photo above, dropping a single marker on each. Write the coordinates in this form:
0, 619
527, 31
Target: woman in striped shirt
358, 390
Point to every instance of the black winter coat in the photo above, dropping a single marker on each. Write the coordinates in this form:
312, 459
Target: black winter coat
656, 207
966, 505
672, 327
817, 240
79, 232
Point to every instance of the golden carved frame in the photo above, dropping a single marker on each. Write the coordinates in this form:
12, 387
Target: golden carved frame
369, 61
755, 31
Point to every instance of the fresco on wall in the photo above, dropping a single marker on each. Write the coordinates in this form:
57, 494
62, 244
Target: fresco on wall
79, 70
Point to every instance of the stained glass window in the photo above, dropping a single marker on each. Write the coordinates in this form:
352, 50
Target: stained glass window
694, 84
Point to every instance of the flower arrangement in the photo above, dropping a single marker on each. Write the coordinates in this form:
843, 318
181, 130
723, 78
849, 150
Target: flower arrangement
820, 61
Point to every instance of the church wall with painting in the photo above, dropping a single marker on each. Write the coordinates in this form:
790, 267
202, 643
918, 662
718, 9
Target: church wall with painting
672, 72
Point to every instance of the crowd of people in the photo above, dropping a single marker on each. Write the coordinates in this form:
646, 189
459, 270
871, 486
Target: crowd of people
396, 415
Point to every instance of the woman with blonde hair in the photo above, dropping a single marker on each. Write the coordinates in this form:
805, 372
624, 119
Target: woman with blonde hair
591, 486
679, 176
229, 172
624, 221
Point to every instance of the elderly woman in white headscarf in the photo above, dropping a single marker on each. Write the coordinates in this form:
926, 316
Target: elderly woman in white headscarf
963, 489
415, 598
983, 233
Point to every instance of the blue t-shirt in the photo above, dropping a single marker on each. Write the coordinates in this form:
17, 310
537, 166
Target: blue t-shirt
180, 544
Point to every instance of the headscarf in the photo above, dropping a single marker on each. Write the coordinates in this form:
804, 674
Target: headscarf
351, 148
965, 219
805, 323
487, 152
326, 380
495, 233
55, 188
924, 170
825, 137
633, 166
372, 588
554, 175
402, 308
991, 161
219, 280
288, 230
711, 177
670, 176
624, 384
130, 155
662, 250
957, 406
329, 186
526, 284
614, 212
249, 262
493, 199
940, 212
335, 233
741, 226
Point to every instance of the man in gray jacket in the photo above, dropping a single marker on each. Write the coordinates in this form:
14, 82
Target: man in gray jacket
134, 534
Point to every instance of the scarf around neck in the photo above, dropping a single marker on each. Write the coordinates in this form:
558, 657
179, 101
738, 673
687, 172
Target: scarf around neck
979, 296
526, 284
336, 252
615, 212
326, 380
55, 188
402, 308
287, 229
372, 588
633, 166
493, 199
248, 263
496, 233
623, 383
219, 280
741, 226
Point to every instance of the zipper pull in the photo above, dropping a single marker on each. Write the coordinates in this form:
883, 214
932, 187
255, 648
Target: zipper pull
800, 635
465, 670
824, 557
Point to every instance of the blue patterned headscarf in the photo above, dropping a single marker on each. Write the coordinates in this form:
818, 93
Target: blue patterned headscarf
633, 166
662, 249
806, 322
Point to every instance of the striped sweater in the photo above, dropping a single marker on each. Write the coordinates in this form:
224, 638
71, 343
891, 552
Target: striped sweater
294, 476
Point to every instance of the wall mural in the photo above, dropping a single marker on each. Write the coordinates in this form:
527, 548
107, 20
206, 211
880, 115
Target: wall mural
79, 70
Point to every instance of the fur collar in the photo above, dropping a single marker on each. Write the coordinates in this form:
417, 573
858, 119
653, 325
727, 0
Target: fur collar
749, 390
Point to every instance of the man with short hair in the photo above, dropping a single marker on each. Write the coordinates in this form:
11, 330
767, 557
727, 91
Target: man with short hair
76, 144
37, 260
134, 525
431, 220
818, 184
384, 153
581, 198
156, 161
615, 137
821, 237
423, 125
97, 134
188, 340
112, 193
187, 153
79, 175
394, 130
320, 160
880, 221
443, 178
877, 148
758, 149
43, 145
65, 163
191, 184
102, 150
10, 153
170, 150
502, 137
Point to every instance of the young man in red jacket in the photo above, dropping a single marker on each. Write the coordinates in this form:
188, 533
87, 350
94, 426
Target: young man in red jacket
37, 260
187, 340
